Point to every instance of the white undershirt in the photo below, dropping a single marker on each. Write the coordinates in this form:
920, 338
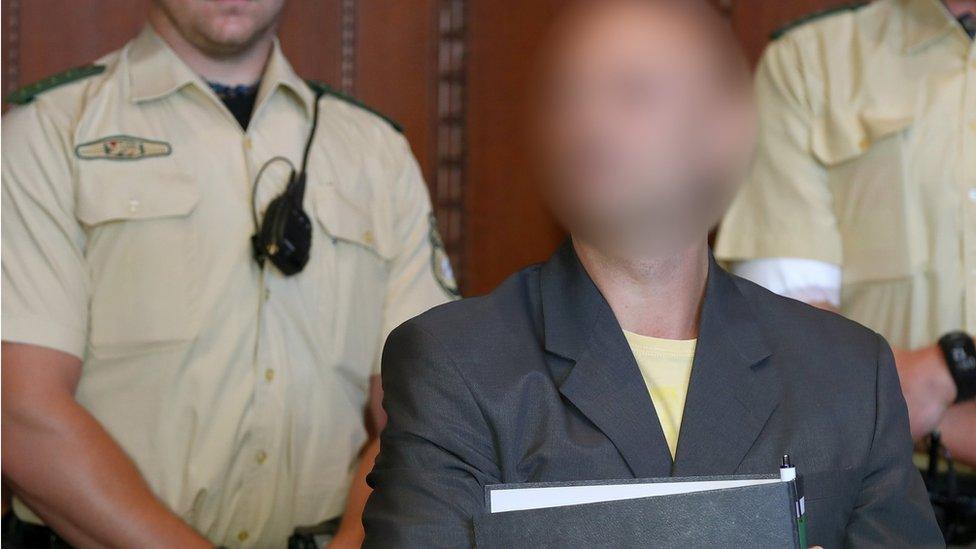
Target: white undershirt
806, 280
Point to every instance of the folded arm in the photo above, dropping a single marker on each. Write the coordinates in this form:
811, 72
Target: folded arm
893, 509
436, 452
925, 380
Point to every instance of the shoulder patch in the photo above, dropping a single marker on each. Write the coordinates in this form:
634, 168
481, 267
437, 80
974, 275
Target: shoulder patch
440, 263
851, 6
28, 93
321, 88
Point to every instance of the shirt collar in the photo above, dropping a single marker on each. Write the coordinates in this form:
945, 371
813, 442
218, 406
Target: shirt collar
279, 74
923, 22
155, 71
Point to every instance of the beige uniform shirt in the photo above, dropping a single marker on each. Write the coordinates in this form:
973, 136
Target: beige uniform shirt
867, 160
238, 392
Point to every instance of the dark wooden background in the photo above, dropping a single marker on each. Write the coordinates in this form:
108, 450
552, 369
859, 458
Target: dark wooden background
453, 72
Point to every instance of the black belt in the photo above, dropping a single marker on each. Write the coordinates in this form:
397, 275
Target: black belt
18, 534
312, 537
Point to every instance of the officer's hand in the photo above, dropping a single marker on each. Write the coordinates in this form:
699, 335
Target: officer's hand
928, 387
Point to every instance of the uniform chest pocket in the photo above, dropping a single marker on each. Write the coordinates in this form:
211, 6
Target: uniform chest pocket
875, 201
350, 262
141, 253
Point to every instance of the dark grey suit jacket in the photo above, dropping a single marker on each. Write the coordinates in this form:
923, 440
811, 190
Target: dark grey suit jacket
535, 382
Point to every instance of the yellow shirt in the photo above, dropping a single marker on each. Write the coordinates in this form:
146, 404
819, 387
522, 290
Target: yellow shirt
238, 392
867, 161
666, 367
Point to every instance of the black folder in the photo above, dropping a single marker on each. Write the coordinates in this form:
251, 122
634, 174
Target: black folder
757, 516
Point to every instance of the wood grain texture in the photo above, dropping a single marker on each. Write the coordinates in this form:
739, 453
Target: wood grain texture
396, 68
755, 20
506, 223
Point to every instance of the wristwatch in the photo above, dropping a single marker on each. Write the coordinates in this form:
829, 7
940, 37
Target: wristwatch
960, 357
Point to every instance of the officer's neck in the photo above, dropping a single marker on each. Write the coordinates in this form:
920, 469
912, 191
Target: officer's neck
241, 68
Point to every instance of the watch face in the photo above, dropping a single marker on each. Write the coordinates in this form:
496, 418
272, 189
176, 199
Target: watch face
964, 361
960, 356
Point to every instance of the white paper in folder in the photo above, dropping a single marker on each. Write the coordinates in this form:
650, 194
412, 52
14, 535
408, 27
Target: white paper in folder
503, 498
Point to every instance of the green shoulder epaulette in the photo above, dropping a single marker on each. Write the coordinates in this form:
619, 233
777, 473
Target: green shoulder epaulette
321, 88
815, 16
28, 93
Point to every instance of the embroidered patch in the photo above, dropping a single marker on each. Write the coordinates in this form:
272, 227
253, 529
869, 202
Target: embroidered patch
122, 147
440, 262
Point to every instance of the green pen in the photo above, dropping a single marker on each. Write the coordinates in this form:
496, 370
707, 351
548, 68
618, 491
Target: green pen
787, 473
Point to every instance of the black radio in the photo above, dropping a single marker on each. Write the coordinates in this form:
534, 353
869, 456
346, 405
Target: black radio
284, 236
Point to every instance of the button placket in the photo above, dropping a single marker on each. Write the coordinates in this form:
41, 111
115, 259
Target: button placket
967, 176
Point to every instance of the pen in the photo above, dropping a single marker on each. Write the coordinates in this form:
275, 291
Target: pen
787, 473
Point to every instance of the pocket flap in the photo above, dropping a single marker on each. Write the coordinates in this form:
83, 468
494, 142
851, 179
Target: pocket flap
104, 197
840, 138
345, 220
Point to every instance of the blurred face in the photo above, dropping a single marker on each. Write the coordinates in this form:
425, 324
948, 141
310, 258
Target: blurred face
222, 27
647, 120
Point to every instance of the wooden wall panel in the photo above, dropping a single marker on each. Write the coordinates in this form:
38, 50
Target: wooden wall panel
506, 224
310, 36
395, 57
755, 20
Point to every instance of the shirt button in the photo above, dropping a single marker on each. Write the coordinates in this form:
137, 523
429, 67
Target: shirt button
247, 143
243, 535
261, 457
269, 375
133, 205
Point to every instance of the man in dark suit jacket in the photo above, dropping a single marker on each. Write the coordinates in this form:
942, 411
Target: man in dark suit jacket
648, 121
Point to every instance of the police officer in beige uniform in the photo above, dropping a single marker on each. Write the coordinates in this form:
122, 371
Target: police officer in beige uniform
161, 387
863, 196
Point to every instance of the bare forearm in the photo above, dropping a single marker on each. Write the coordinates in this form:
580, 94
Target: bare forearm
957, 428
69, 470
351, 532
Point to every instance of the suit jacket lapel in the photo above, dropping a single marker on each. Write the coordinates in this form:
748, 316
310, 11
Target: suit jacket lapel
605, 383
732, 391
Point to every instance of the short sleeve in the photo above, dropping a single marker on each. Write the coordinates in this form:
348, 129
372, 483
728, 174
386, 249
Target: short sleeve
45, 284
785, 207
420, 275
